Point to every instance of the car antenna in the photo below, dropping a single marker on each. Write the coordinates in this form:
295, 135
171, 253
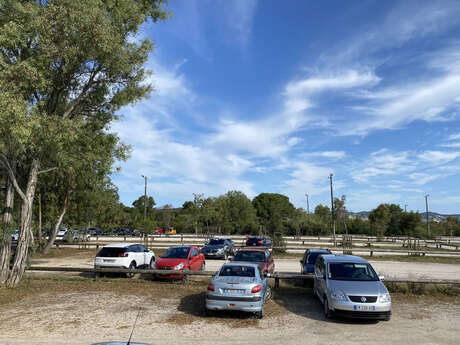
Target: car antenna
134, 326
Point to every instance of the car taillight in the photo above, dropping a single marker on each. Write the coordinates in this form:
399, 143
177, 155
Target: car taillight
260, 242
256, 289
211, 287
123, 255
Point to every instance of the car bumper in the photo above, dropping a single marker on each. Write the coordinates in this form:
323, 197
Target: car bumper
248, 304
214, 255
354, 310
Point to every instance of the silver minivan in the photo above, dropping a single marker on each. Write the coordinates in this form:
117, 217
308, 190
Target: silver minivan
348, 286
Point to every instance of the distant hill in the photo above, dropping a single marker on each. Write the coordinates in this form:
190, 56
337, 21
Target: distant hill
432, 216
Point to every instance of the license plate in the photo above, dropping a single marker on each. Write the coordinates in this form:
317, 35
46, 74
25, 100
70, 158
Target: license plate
108, 260
233, 291
364, 307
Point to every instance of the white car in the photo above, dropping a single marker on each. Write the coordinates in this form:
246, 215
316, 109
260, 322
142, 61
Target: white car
61, 233
125, 255
15, 235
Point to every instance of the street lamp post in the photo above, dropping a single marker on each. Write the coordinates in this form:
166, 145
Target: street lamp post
145, 197
332, 209
308, 205
405, 207
427, 219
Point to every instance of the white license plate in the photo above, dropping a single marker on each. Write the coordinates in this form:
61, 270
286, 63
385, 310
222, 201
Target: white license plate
109, 260
364, 307
233, 291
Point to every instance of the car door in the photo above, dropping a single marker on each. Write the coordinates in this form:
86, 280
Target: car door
320, 277
264, 280
193, 260
143, 255
303, 261
270, 263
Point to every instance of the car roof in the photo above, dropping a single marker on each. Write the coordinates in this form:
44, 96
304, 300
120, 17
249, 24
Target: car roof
182, 247
344, 258
241, 263
120, 245
318, 250
252, 249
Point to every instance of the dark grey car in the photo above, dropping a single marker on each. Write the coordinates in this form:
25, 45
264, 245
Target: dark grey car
218, 248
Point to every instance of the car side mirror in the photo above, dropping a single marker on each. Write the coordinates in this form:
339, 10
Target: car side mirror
301, 261
382, 278
230, 259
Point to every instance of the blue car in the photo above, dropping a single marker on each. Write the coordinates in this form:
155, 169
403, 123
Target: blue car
307, 264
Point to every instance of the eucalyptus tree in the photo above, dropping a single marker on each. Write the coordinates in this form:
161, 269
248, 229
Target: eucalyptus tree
63, 64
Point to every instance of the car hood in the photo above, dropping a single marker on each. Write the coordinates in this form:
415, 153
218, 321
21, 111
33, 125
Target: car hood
359, 288
210, 246
169, 261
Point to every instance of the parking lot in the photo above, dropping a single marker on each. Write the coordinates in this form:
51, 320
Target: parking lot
84, 312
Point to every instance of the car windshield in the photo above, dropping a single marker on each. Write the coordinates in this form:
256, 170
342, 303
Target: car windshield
254, 240
237, 271
214, 242
176, 253
249, 256
352, 271
108, 252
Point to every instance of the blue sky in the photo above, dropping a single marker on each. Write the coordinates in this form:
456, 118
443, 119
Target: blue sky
270, 96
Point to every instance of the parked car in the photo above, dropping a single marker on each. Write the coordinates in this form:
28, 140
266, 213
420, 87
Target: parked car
122, 232
94, 231
159, 231
348, 286
259, 256
125, 255
61, 234
258, 242
307, 264
218, 248
238, 286
80, 235
15, 235
180, 258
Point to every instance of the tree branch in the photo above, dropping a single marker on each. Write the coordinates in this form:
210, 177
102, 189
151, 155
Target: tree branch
10, 172
47, 170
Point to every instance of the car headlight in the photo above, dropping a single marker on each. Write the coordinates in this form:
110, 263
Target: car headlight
339, 295
385, 298
179, 266
220, 249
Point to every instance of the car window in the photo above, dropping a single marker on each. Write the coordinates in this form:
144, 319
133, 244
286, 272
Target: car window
141, 248
110, 252
194, 252
237, 271
352, 272
250, 256
176, 253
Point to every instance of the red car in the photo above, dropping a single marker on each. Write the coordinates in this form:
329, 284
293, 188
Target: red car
259, 256
180, 258
159, 231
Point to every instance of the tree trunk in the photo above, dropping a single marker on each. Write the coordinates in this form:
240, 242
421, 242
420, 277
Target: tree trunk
56, 226
5, 249
25, 233
40, 235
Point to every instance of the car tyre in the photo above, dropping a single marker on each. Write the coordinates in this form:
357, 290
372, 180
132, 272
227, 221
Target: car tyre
152, 263
132, 266
327, 311
260, 314
226, 256
203, 266
387, 318
208, 312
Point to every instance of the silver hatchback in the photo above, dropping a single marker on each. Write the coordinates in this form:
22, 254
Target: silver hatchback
348, 286
238, 286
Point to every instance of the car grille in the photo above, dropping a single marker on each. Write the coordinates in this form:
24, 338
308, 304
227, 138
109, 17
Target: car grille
165, 268
363, 314
363, 299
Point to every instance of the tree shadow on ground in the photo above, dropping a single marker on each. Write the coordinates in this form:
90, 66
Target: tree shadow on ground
300, 300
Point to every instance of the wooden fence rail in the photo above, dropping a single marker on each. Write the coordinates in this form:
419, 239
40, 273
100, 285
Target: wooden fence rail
277, 276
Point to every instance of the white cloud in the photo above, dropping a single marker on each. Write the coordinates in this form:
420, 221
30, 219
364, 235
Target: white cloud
239, 17
438, 157
420, 179
454, 137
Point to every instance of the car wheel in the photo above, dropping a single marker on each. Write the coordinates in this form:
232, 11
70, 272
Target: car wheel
152, 263
327, 311
260, 314
132, 266
226, 256
208, 312
269, 293
203, 267
387, 318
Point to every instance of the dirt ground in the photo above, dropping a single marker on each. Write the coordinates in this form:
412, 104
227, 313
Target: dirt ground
81, 311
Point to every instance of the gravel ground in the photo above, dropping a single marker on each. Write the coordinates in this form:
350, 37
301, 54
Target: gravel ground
292, 317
